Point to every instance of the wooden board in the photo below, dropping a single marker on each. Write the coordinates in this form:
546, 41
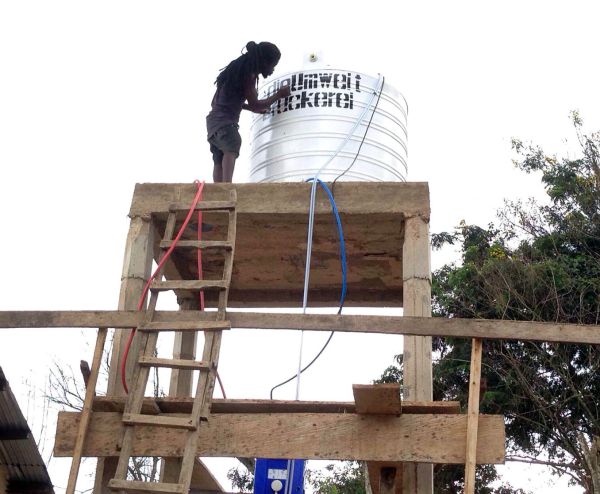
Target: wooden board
184, 405
271, 240
380, 399
377, 399
415, 438
419, 326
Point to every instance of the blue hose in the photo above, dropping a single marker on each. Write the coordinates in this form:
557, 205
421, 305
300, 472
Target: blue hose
342, 242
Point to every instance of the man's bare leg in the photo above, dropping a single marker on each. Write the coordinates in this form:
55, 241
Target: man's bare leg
217, 173
227, 166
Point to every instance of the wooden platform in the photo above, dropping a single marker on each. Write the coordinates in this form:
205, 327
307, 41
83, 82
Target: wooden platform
271, 239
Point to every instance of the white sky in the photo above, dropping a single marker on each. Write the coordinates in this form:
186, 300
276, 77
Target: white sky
95, 97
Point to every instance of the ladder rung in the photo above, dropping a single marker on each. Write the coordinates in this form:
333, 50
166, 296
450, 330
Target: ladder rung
204, 206
173, 363
198, 244
185, 326
188, 285
159, 420
139, 487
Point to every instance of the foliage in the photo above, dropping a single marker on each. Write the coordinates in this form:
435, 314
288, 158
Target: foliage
241, 478
347, 478
541, 264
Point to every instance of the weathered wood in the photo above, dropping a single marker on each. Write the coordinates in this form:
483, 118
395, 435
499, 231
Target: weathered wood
173, 363
375, 469
90, 392
203, 206
137, 264
193, 326
159, 421
408, 198
184, 405
388, 480
418, 326
473, 416
184, 348
420, 438
377, 398
270, 273
380, 399
140, 487
189, 285
197, 244
417, 379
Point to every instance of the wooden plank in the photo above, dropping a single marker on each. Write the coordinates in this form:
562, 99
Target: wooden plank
86, 412
197, 244
419, 438
377, 398
159, 421
185, 326
203, 206
380, 399
408, 198
184, 405
418, 326
140, 487
473, 416
189, 285
173, 363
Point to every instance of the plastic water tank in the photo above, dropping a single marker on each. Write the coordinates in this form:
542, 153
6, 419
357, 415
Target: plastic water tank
303, 131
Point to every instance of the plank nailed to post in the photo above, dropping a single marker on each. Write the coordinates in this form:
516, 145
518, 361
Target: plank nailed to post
473, 416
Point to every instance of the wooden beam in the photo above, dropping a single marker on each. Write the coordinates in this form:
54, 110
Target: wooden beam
473, 416
184, 405
417, 378
407, 199
414, 438
377, 398
418, 326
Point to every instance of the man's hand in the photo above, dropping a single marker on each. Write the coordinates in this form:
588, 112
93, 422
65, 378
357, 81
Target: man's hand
284, 91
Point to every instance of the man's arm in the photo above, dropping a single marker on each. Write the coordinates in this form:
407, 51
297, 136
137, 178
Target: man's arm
257, 105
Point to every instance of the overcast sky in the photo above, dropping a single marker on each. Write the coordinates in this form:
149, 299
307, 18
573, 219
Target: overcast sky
95, 97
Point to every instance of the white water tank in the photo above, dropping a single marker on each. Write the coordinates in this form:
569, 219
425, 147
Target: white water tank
303, 132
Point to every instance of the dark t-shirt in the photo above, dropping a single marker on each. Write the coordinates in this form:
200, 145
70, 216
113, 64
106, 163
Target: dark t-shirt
226, 108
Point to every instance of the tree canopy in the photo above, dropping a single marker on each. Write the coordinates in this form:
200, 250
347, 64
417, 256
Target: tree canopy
541, 263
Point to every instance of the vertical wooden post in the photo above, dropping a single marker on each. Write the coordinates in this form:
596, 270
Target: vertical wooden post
473, 416
137, 265
417, 478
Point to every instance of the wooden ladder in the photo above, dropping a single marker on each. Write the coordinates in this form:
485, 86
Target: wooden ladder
149, 331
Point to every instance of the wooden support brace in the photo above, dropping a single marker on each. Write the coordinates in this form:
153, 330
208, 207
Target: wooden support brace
90, 392
473, 416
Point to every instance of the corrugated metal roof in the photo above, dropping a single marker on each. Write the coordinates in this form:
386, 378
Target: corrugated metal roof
18, 450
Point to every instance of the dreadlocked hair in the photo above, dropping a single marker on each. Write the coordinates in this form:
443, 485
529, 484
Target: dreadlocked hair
256, 59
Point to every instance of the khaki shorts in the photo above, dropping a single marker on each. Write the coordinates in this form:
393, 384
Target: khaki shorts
225, 140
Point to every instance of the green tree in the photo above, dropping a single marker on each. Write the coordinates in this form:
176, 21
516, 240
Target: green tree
542, 263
